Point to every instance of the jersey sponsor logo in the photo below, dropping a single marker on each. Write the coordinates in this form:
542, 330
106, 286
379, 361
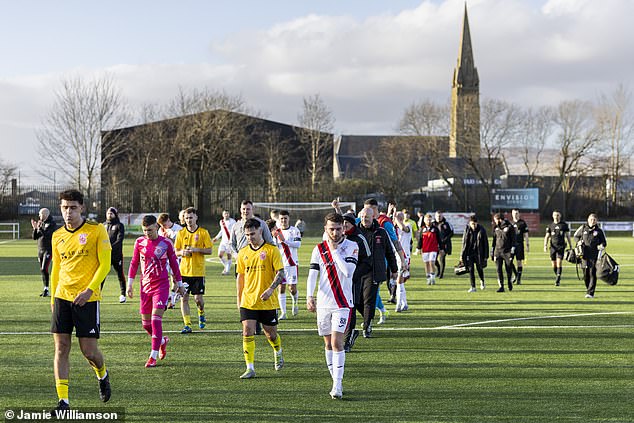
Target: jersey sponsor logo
83, 238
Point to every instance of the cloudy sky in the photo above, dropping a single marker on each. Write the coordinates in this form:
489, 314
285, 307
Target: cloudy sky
368, 59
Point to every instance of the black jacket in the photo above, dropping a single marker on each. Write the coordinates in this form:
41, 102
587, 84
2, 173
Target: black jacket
446, 232
382, 250
116, 233
503, 238
475, 246
364, 260
591, 237
44, 234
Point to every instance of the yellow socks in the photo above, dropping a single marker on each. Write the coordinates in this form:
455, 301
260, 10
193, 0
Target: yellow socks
248, 347
100, 372
61, 385
277, 344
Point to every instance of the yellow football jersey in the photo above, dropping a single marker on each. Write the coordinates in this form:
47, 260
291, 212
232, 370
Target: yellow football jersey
77, 254
259, 268
195, 264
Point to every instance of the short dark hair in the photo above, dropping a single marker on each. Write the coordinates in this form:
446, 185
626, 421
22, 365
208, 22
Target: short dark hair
515, 209
163, 217
497, 215
148, 220
245, 202
189, 210
271, 224
252, 224
284, 213
371, 202
333, 217
72, 195
473, 218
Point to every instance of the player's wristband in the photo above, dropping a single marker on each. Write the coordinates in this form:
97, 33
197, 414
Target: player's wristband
130, 282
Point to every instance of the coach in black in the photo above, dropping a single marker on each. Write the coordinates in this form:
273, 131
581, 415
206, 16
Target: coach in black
43, 232
445, 232
521, 237
503, 248
592, 239
383, 255
116, 233
556, 235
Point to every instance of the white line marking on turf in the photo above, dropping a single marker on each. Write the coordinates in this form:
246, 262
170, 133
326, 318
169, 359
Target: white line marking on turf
462, 326
531, 318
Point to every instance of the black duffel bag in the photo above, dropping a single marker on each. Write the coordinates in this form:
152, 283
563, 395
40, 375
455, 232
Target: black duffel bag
607, 269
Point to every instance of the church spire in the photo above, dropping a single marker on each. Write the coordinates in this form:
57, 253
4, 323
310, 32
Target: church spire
466, 74
464, 135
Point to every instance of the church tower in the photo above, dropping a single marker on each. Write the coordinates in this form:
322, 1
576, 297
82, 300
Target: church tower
464, 137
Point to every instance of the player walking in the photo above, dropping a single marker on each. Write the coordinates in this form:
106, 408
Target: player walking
259, 272
153, 252
288, 241
226, 226
333, 262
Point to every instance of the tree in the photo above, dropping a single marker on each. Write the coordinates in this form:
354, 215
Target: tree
425, 118
70, 140
534, 130
499, 122
315, 134
615, 123
8, 172
576, 139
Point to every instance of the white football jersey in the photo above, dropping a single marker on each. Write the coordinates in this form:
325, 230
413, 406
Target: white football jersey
335, 269
290, 245
225, 230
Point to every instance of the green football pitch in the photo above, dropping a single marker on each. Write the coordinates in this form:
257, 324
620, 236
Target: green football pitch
537, 354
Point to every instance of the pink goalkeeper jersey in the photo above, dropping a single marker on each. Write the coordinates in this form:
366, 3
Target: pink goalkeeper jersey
153, 255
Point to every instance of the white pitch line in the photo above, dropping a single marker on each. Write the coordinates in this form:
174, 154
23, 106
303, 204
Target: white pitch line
531, 318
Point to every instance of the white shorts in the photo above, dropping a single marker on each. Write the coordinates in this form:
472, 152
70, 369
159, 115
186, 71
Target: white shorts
225, 247
431, 256
331, 320
290, 275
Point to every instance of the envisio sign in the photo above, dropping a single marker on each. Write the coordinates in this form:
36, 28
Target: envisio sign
520, 198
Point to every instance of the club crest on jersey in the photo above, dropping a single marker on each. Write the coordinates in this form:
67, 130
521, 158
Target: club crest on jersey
196, 237
83, 238
262, 255
595, 233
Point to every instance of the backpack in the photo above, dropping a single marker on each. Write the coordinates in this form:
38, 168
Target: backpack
607, 269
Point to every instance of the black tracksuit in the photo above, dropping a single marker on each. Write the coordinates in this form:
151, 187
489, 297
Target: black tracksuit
475, 251
590, 237
116, 233
383, 255
364, 267
44, 234
503, 244
445, 232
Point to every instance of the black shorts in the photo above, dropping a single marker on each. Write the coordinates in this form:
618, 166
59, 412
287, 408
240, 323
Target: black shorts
196, 284
557, 253
84, 319
265, 317
519, 252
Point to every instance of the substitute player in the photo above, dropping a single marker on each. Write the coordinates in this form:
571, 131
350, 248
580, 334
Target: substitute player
81, 260
288, 240
226, 226
333, 262
192, 243
153, 252
259, 270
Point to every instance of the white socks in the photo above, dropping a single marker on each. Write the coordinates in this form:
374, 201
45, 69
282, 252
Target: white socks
338, 362
329, 361
282, 298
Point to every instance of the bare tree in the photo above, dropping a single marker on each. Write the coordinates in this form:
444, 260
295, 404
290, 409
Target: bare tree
71, 137
8, 172
577, 138
425, 118
499, 122
315, 134
533, 133
615, 121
